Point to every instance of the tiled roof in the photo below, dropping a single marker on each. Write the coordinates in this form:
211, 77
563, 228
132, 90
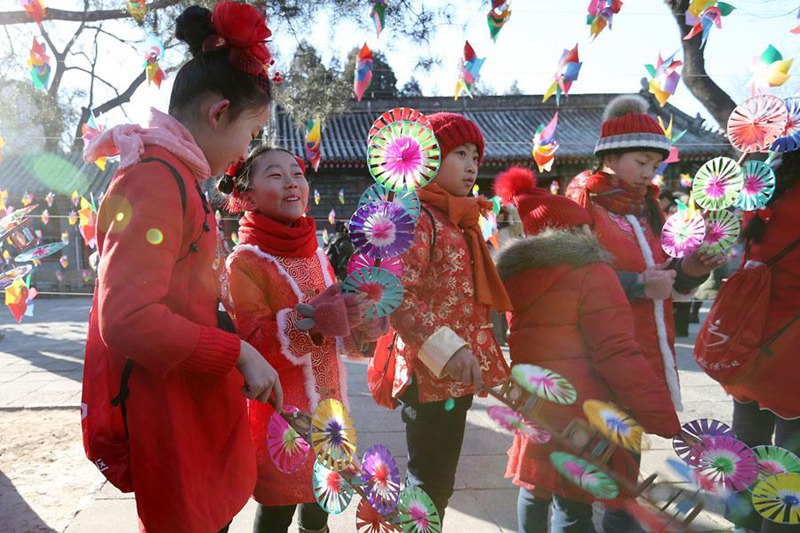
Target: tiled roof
507, 123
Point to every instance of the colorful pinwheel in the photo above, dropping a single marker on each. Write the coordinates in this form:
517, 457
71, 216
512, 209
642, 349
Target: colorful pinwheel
50, 198
39, 63
35, 10
90, 130
137, 9
683, 232
287, 449
757, 123
544, 383
392, 264
470, 70
368, 520
790, 137
332, 491
87, 222
317, 197
312, 146
600, 14
758, 187
406, 198
702, 427
728, 463
416, 512
769, 70
7, 277
19, 295
777, 498
398, 114
702, 15
340, 196
545, 145
514, 422
585, 475
40, 252
722, 231
154, 52
381, 229
332, 217
774, 460
378, 15
380, 478
717, 184
363, 73
498, 16
403, 155
383, 289
614, 423
664, 78
569, 66
333, 436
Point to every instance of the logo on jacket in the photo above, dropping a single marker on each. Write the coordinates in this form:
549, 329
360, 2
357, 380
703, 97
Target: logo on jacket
713, 329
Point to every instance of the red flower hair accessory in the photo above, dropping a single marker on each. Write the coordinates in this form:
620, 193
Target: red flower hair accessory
243, 29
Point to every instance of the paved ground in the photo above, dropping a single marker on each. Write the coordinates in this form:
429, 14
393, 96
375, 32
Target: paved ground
46, 484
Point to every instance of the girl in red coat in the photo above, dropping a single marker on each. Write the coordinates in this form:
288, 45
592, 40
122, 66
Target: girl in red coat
191, 460
570, 316
276, 266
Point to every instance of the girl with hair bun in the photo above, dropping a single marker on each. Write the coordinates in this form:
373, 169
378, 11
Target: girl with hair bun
192, 466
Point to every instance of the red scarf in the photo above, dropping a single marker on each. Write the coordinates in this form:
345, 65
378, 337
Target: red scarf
274, 238
463, 212
615, 195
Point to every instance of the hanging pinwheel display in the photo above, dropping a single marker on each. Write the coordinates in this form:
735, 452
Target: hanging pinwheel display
40, 252
7, 277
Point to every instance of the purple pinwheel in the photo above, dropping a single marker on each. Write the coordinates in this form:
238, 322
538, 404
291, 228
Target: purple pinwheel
358, 261
381, 229
514, 422
684, 444
381, 478
727, 463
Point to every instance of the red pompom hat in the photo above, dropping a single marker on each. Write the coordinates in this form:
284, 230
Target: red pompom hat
538, 208
452, 130
628, 127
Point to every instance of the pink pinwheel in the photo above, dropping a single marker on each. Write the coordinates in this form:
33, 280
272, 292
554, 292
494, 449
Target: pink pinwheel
600, 14
569, 66
702, 16
726, 462
287, 449
545, 145
363, 75
313, 143
417, 513
470, 69
392, 264
665, 78
683, 232
381, 478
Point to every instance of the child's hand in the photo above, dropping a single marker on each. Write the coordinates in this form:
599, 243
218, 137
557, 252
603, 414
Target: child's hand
326, 314
357, 306
374, 329
260, 379
464, 367
658, 282
701, 263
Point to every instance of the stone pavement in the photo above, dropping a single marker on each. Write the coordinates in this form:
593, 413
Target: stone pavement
41, 365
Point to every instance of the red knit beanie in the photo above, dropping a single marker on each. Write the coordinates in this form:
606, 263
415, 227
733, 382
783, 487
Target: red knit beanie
538, 208
628, 127
452, 130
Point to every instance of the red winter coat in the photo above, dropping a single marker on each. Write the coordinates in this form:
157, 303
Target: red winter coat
773, 382
192, 463
571, 316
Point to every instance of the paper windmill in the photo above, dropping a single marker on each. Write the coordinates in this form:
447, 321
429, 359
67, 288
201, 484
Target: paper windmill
313, 145
39, 63
154, 52
19, 295
498, 16
726, 462
769, 70
35, 9
544, 383
683, 232
407, 198
381, 229
789, 139
600, 14
614, 423
287, 449
569, 66
722, 231
702, 427
332, 491
380, 478
470, 70
702, 15
757, 123
777, 498
398, 114
50, 198
555, 187
758, 188
514, 422
378, 15
333, 436
368, 520
382, 288
416, 512
332, 217
8, 277
17, 222
392, 264
585, 475
90, 130
717, 184
403, 155
545, 145
773, 460
64, 262
40, 252
664, 78
87, 222
316, 197
340, 196
363, 74
137, 10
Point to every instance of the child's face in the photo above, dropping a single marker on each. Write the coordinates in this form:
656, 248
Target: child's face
279, 190
634, 168
227, 142
459, 170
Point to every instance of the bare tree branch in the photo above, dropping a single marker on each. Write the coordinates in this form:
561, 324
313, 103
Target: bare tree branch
93, 76
21, 17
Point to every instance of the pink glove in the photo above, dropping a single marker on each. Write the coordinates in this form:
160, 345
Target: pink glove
325, 315
375, 328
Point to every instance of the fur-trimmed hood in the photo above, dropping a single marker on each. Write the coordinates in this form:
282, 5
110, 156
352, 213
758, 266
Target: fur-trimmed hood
550, 248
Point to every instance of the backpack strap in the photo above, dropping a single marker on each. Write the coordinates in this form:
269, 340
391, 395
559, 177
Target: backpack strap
783, 253
175, 174
433, 227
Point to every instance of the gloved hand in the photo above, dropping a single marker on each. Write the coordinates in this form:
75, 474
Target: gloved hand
374, 328
326, 314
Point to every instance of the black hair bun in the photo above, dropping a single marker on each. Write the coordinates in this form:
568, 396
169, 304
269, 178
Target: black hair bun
225, 184
193, 26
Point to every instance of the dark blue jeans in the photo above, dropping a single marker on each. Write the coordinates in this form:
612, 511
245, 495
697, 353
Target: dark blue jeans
567, 516
434, 434
755, 427
278, 518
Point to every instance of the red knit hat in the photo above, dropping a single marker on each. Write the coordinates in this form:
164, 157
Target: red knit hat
538, 208
628, 127
452, 130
